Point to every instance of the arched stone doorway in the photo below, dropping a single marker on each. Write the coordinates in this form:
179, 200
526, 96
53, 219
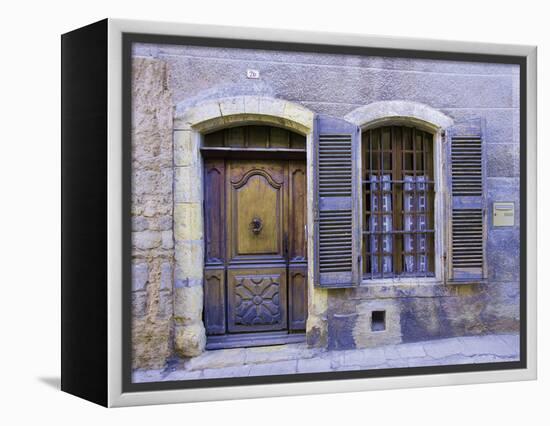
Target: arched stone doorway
190, 126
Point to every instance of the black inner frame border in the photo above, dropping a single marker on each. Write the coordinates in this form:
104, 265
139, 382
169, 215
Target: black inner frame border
128, 39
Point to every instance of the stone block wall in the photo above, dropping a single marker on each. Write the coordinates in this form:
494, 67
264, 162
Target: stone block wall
152, 214
335, 85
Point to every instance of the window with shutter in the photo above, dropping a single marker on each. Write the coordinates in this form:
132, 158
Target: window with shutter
466, 172
335, 214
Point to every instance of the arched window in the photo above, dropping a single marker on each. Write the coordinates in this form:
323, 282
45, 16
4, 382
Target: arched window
398, 202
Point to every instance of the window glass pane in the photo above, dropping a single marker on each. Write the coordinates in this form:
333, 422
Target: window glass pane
387, 161
408, 162
375, 160
418, 143
375, 140
407, 141
419, 162
386, 140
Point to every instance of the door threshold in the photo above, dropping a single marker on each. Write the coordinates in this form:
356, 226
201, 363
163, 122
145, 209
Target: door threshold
246, 340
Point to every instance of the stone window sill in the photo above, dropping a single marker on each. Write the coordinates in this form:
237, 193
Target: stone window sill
407, 281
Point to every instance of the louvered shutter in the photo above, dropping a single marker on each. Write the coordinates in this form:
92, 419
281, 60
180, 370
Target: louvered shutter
336, 215
468, 212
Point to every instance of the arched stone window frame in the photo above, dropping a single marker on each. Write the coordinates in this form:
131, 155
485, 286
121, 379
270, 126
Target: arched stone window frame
401, 112
190, 124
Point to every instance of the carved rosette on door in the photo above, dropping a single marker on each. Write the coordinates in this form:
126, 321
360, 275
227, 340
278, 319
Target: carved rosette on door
257, 301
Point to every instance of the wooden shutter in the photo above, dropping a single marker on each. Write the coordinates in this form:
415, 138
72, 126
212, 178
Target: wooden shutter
336, 215
468, 212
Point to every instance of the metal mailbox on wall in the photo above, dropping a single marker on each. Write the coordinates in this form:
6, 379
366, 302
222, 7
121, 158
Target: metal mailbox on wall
503, 214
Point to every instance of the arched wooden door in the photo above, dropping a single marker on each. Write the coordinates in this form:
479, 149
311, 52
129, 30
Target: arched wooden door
255, 287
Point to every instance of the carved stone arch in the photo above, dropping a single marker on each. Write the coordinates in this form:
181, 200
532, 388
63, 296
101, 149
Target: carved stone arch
216, 114
190, 124
393, 112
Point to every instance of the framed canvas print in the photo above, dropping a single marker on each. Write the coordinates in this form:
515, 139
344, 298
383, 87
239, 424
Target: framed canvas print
260, 212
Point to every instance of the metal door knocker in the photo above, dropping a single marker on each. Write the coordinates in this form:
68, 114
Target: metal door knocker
256, 225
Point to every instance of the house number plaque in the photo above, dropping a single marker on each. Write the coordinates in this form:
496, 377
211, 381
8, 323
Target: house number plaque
503, 214
253, 74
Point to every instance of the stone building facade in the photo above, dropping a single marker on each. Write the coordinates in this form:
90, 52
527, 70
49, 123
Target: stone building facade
182, 93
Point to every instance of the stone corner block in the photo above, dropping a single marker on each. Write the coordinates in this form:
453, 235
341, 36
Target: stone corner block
186, 148
271, 106
231, 106
189, 257
186, 118
188, 303
188, 223
316, 332
187, 184
398, 108
190, 340
251, 104
299, 113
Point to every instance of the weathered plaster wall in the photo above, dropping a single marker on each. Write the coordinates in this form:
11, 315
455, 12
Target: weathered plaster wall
152, 208
337, 85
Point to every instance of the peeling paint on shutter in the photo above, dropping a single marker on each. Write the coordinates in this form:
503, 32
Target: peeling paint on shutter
335, 214
468, 233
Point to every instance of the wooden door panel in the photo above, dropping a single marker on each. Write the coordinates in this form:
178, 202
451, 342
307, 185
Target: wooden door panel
297, 217
257, 211
297, 306
257, 299
214, 212
257, 200
214, 301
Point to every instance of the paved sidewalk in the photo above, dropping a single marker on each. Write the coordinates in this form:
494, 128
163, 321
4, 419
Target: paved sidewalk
297, 358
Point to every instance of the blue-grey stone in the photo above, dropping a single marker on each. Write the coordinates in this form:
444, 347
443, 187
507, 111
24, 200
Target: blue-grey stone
462, 314
366, 358
314, 365
500, 123
165, 223
340, 331
191, 77
166, 276
503, 254
501, 314
140, 276
139, 304
330, 59
420, 319
342, 317
274, 368
443, 348
139, 223
502, 160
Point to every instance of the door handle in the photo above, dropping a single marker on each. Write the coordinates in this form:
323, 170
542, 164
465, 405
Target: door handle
285, 246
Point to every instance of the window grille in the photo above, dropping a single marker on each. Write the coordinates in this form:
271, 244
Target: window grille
398, 200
